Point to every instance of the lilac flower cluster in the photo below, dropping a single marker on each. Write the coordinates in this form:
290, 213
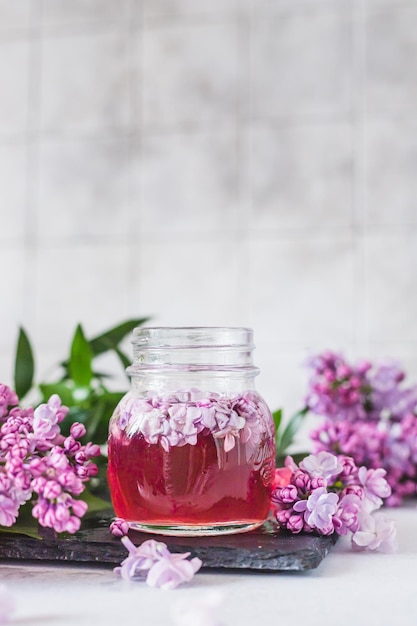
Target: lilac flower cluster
369, 415
154, 562
329, 494
176, 419
39, 464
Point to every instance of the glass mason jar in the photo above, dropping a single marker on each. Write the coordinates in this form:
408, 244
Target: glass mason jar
191, 445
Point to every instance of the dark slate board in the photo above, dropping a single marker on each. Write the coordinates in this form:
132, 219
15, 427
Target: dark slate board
266, 549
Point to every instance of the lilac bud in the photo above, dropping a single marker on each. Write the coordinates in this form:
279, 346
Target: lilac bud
78, 430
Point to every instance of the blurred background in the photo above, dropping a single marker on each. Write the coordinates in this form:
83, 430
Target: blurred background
232, 162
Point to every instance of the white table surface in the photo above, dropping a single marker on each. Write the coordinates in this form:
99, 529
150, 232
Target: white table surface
347, 588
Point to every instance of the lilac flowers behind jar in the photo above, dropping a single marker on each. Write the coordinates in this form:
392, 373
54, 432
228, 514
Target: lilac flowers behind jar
329, 494
41, 467
370, 415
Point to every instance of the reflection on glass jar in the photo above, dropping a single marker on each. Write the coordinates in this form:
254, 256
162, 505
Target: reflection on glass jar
191, 446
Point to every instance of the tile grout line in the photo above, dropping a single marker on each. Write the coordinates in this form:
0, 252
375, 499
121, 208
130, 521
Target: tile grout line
32, 141
361, 293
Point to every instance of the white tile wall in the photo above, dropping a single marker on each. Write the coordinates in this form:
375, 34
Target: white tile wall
205, 200
301, 176
191, 73
391, 44
13, 190
14, 86
232, 162
301, 63
85, 82
83, 189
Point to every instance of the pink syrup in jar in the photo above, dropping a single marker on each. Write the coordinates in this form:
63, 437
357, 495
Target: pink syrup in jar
192, 488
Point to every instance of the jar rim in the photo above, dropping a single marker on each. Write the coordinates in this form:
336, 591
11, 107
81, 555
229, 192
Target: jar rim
193, 336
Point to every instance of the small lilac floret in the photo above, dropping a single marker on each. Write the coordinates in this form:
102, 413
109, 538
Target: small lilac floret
323, 464
321, 506
376, 532
346, 518
153, 560
119, 527
375, 486
170, 572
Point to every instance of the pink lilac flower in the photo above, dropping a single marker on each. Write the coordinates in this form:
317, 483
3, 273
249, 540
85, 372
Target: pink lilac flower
176, 419
39, 464
323, 464
119, 527
346, 518
319, 509
376, 532
374, 485
47, 417
370, 415
153, 560
8, 398
168, 573
340, 504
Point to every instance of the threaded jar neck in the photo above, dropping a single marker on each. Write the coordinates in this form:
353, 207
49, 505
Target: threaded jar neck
193, 349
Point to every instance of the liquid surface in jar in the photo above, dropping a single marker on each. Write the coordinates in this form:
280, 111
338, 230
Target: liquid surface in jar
189, 485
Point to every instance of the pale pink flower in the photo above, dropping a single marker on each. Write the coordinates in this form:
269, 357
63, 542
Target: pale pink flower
319, 509
323, 464
376, 532
153, 559
282, 477
141, 558
169, 572
375, 487
9, 510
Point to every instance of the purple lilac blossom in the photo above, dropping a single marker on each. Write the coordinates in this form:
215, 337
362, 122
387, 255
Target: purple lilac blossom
376, 532
369, 415
319, 509
119, 527
375, 487
153, 561
176, 419
346, 518
38, 463
341, 504
323, 464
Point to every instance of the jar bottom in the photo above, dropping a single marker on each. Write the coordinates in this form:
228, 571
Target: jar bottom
195, 530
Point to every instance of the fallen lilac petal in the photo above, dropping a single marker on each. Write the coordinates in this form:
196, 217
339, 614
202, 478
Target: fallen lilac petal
376, 532
170, 572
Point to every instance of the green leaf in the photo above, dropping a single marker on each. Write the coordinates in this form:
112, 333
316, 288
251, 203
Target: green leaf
25, 524
80, 359
94, 502
277, 417
24, 365
63, 388
112, 337
22, 529
125, 361
290, 430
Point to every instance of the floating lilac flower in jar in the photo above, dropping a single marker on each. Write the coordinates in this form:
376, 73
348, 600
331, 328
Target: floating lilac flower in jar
191, 445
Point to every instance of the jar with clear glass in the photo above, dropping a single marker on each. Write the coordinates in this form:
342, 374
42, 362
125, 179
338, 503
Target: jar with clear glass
191, 445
